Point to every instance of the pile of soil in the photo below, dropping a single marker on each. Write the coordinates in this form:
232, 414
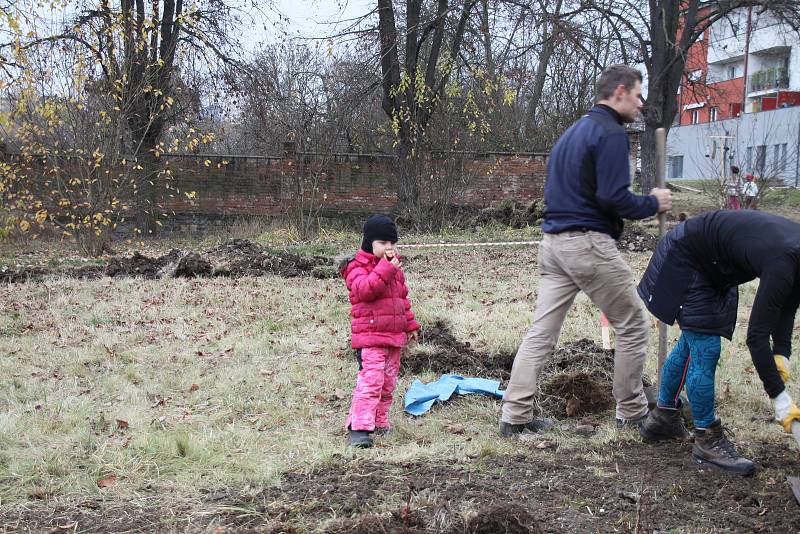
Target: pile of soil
33, 274
511, 213
453, 356
141, 265
637, 239
193, 265
576, 381
236, 258
241, 257
575, 394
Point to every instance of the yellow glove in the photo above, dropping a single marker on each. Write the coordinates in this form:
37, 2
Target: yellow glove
786, 411
782, 363
794, 415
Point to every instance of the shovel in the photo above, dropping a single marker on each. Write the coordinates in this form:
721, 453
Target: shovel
794, 482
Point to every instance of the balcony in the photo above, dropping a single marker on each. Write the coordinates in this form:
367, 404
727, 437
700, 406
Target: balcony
767, 79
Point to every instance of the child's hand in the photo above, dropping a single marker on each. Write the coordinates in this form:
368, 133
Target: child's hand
412, 336
391, 257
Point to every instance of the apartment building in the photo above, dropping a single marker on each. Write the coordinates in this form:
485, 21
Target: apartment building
740, 101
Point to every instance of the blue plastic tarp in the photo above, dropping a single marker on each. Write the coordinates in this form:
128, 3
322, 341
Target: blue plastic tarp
420, 396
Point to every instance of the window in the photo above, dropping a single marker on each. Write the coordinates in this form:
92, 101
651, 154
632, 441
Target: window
695, 75
695, 116
781, 162
749, 159
776, 158
676, 167
761, 159
712, 114
714, 150
732, 72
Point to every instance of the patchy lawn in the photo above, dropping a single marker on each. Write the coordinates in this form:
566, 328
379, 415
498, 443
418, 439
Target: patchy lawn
217, 404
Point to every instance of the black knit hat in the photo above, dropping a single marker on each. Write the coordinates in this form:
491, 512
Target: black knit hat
378, 228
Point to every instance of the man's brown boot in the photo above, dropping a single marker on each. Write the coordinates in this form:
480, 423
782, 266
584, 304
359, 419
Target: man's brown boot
711, 446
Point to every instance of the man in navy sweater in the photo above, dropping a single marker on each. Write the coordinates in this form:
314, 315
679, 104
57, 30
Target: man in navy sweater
587, 195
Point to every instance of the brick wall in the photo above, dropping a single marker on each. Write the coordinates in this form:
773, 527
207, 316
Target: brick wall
226, 186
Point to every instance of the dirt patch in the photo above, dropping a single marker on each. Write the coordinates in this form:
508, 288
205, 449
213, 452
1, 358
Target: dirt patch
142, 266
581, 393
34, 274
399, 521
636, 239
576, 381
241, 257
236, 258
628, 487
449, 355
193, 266
508, 519
511, 213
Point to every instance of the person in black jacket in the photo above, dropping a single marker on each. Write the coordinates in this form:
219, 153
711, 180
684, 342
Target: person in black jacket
693, 277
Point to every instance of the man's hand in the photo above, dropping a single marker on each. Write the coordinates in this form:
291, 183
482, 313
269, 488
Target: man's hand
664, 197
786, 411
782, 363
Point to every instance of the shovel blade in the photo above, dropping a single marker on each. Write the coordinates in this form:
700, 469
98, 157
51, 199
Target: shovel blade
794, 483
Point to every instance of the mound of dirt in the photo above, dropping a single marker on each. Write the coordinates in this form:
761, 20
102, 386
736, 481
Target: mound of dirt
236, 258
33, 274
193, 265
580, 394
503, 519
141, 265
453, 356
511, 213
241, 257
636, 239
576, 381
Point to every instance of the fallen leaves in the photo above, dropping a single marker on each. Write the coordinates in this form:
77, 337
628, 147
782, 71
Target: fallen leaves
107, 481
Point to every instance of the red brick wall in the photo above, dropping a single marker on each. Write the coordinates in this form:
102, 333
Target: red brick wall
347, 183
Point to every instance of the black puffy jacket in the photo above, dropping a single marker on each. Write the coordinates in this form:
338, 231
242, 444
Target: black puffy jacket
695, 270
673, 289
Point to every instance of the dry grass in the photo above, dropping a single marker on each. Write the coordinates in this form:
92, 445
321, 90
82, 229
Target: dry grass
177, 387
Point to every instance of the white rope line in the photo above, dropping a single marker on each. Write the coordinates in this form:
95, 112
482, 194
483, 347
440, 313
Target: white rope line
403, 246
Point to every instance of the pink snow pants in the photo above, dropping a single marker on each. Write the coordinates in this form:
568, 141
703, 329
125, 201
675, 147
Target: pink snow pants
372, 396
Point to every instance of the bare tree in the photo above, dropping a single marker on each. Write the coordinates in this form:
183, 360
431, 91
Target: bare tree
140, 48
664, 31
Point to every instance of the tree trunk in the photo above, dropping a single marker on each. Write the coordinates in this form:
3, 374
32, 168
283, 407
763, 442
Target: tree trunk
548, 47
649, 159
408, 187
147, 193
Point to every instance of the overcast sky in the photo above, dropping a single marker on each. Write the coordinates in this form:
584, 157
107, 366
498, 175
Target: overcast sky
313, 18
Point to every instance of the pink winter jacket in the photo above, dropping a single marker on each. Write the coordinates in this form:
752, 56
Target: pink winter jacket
380, 313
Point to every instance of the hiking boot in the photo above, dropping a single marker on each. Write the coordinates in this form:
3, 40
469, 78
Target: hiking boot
360, 439
711, 446
663, 424
635, 422
537, 425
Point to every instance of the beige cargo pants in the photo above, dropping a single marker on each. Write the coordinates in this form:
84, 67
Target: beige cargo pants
582, 261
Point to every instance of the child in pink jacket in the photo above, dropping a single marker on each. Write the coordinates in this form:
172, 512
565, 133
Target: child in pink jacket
382, 323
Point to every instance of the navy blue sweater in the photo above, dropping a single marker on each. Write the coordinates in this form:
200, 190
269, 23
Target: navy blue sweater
588, 178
